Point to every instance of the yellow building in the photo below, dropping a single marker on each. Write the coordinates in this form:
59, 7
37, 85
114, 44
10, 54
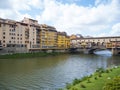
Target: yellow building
63, 41
67, 44
73, 36
48, 37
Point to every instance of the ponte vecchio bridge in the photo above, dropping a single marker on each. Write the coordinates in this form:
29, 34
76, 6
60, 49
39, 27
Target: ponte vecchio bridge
90, 44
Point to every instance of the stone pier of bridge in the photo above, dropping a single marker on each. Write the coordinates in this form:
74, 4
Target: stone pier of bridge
115, 51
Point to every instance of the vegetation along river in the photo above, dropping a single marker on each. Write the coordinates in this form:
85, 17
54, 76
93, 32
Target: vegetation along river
51, 72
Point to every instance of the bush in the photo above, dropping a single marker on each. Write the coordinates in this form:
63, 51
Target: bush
100, 75
100, 70
74, 89
114, 84
76, 81
107, 71
82, 86
88, 81
95, 78
68, 85
85, 78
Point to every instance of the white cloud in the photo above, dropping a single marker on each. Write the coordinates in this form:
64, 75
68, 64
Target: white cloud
13, 14
72, 18
20, 4
115, 29
78, 19
97, 2
36, 4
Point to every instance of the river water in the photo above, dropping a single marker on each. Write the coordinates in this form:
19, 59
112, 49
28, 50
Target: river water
51, 72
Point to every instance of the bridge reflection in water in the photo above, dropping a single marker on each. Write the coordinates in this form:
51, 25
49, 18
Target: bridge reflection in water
103, 53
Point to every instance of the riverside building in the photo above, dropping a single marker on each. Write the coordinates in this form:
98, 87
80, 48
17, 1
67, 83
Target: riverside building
27, 35
63, 41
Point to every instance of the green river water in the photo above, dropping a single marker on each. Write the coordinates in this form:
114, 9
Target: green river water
51, 72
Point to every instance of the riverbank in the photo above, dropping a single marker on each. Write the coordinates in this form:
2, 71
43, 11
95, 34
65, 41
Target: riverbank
28, 55
100, 80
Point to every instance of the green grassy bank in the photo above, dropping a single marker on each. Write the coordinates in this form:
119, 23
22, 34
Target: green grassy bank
27, 55
101, 80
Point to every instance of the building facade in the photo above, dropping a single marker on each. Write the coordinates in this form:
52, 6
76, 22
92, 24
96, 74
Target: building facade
48, 37
28, 35
63, 41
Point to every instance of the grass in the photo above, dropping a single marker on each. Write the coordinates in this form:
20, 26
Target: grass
96, 84
26, 55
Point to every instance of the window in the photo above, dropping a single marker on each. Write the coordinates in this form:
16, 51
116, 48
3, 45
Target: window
8, 45
3, 33
4, 41
9, 41
21, 45
13, 45
3, 37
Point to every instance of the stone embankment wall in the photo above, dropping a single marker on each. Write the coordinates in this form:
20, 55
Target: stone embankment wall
10, 50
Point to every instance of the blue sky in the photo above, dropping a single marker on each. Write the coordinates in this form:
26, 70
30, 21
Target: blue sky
86, 17
78, 2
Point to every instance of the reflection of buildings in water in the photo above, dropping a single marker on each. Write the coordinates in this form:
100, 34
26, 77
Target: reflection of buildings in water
102, 62
113, 61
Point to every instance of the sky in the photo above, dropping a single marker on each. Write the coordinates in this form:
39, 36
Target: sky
86, 17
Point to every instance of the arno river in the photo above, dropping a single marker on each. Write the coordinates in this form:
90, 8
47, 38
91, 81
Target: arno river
52, 72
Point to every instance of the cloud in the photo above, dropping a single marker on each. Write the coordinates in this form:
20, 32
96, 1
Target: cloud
36, 4
80, 19
93, 20
115, 30
4, 5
